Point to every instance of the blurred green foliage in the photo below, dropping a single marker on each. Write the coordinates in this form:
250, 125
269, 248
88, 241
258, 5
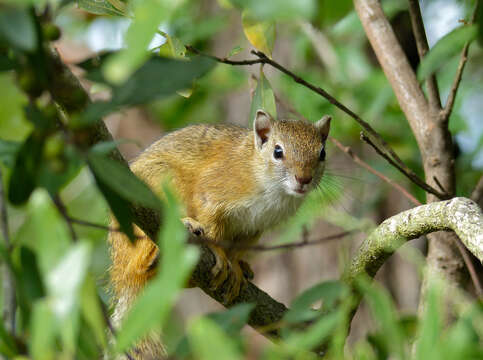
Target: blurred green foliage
60, 283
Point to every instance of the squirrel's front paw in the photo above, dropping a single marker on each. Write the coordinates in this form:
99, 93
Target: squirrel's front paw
225, 271
193, 226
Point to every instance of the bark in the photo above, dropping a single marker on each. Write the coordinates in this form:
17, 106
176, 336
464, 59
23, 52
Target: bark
430, 130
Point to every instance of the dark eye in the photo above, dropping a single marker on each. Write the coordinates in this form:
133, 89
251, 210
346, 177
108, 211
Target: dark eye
322, 154
278, 152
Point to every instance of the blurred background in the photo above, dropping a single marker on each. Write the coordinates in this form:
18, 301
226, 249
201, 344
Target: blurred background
330, 50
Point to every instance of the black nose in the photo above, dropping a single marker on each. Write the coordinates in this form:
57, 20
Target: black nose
303, 180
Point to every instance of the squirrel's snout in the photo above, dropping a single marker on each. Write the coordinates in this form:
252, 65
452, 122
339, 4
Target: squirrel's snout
303, 180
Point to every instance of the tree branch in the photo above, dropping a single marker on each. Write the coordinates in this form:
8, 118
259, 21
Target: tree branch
422, 45
461, 215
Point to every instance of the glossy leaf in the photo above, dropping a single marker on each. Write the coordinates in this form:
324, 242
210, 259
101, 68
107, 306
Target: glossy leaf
120, 208
157, 78
235, 50
263, 98
122, 181
261, 34
17, 28
445, 48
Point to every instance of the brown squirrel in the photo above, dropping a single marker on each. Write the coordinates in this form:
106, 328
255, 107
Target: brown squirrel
234, 183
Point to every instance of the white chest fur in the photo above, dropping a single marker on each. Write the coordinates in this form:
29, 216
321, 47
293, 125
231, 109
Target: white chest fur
264, 211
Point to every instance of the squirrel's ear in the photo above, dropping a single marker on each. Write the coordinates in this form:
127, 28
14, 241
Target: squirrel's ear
323, 126
262, 125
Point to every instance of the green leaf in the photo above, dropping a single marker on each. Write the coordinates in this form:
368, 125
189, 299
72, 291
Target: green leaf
427, 345
385, 314
25, 170
106, 147
152, 307
5, 63
65, 280
148, 15
43, 329
160, 77
8, 151
17, 28
120, 207
172, 48
329, 292
235, 50
205, 335
263, 98
451, 44
103, 7
92, 310
122, 181
261, 34
279, 10
233, 319
157, 78
315, 334
7, 343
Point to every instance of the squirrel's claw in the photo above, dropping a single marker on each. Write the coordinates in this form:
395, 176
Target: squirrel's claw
193, 226
226, 271
247, 270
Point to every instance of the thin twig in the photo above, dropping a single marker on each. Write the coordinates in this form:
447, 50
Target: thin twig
423, 48
477, 193
63, 211
296, 244
359, 161
448, 108
386, 149
410, 175
108, 322
9, 288
465, 254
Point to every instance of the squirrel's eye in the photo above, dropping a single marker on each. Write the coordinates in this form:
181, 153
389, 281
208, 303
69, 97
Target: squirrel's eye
278, 152
322, 154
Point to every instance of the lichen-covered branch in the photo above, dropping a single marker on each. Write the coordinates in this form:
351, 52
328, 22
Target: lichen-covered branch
461, 215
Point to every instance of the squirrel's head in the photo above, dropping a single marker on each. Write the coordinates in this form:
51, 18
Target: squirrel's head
294, 151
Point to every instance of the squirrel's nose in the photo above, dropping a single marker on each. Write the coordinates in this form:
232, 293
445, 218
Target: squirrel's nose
303, 180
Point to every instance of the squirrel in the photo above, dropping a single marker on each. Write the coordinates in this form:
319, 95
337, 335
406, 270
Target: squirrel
234, 183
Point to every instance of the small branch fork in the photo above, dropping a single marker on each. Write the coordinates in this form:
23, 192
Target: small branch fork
386, 149
410, 175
